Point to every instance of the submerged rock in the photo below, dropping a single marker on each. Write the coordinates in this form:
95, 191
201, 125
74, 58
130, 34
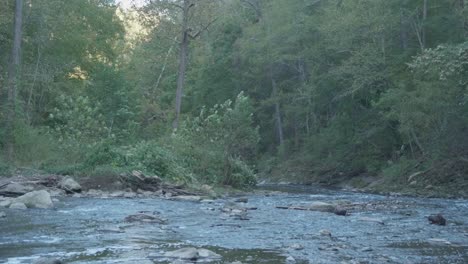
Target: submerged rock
373, 220
36, 199
437, 219
47, 261
144, 218
69, 185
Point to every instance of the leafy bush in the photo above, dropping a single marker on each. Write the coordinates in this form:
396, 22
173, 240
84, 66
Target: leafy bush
147, 156
221, 143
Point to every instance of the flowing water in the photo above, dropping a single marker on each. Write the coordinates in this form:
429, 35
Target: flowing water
85, 230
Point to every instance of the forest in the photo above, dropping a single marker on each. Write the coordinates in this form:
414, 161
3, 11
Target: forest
234, 92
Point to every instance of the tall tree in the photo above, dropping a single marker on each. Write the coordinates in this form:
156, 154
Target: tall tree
13, 72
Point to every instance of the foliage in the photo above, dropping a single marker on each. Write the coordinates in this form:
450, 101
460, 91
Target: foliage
149, 157
221, 142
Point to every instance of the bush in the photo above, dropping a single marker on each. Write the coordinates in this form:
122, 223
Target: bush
220, 143
146, 156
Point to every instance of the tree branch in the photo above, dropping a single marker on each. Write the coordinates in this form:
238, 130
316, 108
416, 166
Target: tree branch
202, 30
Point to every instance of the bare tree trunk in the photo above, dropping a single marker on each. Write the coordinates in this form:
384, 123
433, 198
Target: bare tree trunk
423, 27
13, 80
182, 62
403, 30
279, 123
155, 89
31, 89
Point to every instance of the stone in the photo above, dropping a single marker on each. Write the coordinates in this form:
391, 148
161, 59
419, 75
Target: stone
69, 185
144, 218
208, 254
366, 249
321, 207
193, 254
341, 212
437, 219
325, 232
47, 261
290, 259
188, 198
296, 246
20, 206
2, 215
184, 253
117, 194
5, 203
129, 195
16, 189
36, 199
373, 220
438, 241
242, 200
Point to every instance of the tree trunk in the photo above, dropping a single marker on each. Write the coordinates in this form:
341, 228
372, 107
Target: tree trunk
182, 63
423, 27
13, 71
279, 124
403, 30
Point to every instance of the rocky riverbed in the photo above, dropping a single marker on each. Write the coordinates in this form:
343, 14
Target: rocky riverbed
271, 225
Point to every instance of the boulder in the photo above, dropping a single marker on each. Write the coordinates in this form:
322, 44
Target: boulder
5, 203
184, 253
321, 207
36, 199
437, 219
69, 185
15, 189
20, 206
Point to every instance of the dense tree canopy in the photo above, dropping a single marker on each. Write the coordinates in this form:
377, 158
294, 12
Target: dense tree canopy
300, 89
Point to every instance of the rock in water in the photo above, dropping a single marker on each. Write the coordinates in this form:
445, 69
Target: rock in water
36, 199
16, 205
69, 185
144, 218
2, 215
193, 254
184, 253
321, 207
47, 261
242, 200
437, 219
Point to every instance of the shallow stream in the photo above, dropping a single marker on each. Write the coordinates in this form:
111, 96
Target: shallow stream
88, 230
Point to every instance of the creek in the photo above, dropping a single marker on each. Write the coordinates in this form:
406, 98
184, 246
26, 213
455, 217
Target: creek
90, 230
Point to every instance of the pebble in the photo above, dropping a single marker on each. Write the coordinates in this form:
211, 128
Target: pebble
325, 232
296, 246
